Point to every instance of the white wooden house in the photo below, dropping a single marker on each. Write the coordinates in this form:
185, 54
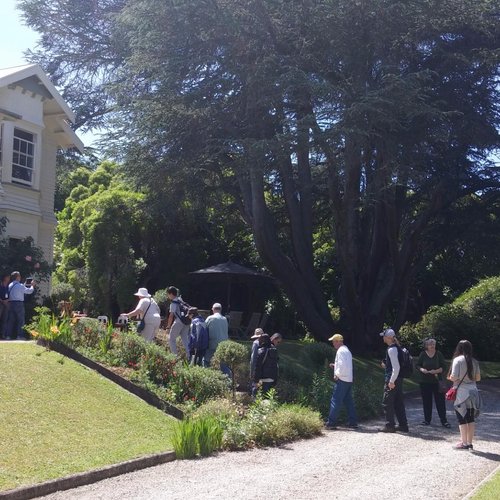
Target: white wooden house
34, 124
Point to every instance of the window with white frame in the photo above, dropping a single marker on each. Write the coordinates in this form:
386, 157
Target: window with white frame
23, 156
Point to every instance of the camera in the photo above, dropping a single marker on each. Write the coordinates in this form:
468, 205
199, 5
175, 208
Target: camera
28, 281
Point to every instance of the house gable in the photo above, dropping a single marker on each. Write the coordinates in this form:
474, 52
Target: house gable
34, 123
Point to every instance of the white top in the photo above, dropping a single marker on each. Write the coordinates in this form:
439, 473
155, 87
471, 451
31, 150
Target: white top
459, 370
17, 291
392, 351
343, 364
152, 312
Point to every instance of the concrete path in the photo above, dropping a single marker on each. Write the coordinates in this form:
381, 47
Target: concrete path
343, 464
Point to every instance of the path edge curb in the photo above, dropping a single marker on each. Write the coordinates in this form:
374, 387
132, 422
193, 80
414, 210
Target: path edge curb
482, 483
85, 478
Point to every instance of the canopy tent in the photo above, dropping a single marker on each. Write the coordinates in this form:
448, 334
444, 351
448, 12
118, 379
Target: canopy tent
244, 288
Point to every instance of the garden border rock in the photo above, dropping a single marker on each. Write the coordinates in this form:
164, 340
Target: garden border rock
144, 394
84, 478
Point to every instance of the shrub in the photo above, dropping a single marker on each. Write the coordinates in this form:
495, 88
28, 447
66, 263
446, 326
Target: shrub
319, 394
198, 384
157, 364
267, 423
300, 421
233, 355
61, 291
367, 398
319, 353
86, 332
221, 409
472, 316
129, 348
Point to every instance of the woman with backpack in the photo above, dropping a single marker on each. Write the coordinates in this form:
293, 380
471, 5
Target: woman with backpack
431, 366
464, 373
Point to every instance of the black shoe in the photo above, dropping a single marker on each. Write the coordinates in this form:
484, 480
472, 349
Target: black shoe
446, 424
425, 423
388, 428
353, 426
402, 429
329, 427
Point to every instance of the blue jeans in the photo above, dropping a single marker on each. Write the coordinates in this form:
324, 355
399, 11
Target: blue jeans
342, 393
15, 321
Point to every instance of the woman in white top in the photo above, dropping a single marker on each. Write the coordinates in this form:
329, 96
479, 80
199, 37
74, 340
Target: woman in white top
464, 373
148, 310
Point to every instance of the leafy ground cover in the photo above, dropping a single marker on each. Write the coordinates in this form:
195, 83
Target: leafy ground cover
59, 418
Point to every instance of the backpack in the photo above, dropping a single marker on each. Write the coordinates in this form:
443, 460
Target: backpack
199, 335
405, 362
183, 311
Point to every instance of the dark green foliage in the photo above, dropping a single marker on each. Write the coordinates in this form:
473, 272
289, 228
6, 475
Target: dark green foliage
233, 355
472, 316
198, 384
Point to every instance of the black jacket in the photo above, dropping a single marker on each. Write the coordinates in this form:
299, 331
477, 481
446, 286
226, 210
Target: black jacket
267, 364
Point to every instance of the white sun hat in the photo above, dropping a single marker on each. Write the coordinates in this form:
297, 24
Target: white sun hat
142, 292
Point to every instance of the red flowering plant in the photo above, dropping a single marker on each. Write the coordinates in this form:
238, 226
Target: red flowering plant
158, 365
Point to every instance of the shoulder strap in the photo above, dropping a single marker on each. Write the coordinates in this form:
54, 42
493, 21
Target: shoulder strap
150, 301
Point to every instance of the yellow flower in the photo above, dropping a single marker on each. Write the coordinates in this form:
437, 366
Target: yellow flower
34, 333
54, 329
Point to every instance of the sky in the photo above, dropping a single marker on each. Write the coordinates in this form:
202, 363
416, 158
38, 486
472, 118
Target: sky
15, 39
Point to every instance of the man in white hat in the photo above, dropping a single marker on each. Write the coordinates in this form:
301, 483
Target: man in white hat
342, 392
218, 330
392, 401
147, 309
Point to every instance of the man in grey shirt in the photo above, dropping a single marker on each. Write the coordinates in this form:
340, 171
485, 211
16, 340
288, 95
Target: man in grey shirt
218, 330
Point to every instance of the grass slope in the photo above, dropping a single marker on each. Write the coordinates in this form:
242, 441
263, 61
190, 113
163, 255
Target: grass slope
59, 418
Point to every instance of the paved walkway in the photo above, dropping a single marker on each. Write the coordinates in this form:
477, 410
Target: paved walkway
343, 464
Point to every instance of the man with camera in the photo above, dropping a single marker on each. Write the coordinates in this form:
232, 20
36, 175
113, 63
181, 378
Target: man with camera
17, 291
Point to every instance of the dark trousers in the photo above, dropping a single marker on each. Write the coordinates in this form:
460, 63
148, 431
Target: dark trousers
15, 320
393, 405
428, 391
4, 312
198, 357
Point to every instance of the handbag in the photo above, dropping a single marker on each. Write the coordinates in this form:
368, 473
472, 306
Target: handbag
451, 395
142, 324
443, 386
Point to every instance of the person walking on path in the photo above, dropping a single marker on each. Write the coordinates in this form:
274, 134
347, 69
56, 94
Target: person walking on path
174, 323
16, 318
148, 310
342, 391
464, 374
431, 366
198, 337
393, 399
218, 330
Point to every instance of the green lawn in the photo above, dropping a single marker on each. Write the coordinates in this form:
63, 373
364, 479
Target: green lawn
58, 418
490, 490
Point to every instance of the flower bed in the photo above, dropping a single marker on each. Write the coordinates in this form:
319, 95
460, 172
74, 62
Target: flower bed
214, 421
